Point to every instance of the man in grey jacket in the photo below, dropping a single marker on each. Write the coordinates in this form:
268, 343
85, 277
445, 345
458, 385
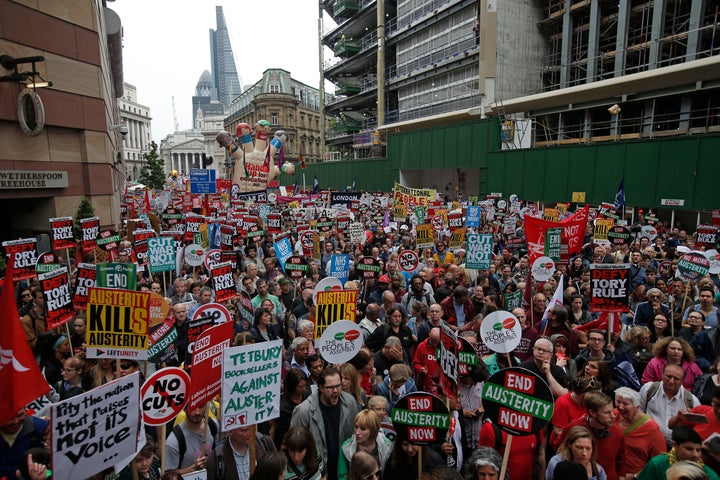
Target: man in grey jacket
329, 413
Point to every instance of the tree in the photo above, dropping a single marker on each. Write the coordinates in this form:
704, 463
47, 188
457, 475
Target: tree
152, 173
85, 210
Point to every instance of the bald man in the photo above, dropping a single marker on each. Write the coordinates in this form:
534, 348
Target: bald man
540, 364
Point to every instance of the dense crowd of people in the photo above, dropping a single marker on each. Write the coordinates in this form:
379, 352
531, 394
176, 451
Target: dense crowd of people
639, 402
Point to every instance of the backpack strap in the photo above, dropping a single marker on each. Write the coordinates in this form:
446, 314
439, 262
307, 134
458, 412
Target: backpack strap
654, 387
498, 437
688, 398
213, 428
182, 445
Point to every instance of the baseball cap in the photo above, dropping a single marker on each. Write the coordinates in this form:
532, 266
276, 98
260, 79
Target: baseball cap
384, 279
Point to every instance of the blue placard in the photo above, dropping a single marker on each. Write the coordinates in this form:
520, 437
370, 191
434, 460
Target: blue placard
339, 267
473, 216
202, 181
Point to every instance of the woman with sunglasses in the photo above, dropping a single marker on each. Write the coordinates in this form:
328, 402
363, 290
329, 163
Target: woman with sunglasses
571, 406
364, 466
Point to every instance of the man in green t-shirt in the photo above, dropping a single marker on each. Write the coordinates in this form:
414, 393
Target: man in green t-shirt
686, 446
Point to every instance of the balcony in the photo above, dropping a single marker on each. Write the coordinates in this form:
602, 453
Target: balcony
345, 8
348, 86
346, 48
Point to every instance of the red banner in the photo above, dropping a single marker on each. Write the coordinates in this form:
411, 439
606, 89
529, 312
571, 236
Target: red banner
573, 234
223, 282
61, 230
58, 301
609, 287
89, 229
85, 279
206, 372
25, 254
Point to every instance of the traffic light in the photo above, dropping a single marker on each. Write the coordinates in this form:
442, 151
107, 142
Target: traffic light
206, 161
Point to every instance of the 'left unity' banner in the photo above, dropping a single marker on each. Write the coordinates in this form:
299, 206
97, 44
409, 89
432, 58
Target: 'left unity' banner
117, 323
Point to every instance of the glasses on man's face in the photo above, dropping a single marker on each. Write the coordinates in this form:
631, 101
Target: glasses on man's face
332, 387
67, 370
695, 317
542, 350
596, 339
375, 474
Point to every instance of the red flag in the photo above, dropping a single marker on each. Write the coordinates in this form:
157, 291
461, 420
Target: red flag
302, 160
601, 323
528, 292
146, 206
20, 377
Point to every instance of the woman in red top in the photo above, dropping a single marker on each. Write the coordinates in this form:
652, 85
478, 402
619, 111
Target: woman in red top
643, 438
570, 406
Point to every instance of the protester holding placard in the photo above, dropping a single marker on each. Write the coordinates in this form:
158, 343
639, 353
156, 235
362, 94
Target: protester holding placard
231, 460
403, 461
191, 442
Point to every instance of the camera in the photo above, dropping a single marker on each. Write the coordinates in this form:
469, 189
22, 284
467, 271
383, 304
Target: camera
123, 130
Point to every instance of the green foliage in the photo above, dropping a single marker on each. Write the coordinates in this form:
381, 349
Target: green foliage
85, 210
152, 173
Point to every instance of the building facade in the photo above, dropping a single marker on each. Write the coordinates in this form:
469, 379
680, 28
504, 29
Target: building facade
136, 142
621, 82
74, 152
288, 105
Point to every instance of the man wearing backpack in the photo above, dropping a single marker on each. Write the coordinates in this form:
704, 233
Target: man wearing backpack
190, 443
663, 400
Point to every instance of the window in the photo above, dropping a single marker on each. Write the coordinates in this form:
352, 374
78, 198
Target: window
274, 118
274, 88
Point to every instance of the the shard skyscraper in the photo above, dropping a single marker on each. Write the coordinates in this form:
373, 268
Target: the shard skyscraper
226, 81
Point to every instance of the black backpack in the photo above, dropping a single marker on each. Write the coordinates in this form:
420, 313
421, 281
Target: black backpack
182, 444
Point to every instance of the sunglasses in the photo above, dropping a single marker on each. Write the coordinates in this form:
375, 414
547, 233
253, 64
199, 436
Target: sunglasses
26, 295
126, 366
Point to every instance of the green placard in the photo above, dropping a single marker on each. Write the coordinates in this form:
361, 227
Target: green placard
553, 239
117, 275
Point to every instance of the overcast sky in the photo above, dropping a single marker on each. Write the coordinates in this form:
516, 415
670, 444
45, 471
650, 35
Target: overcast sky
166, 47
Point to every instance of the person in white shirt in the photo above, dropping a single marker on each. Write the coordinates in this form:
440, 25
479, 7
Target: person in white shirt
663, 400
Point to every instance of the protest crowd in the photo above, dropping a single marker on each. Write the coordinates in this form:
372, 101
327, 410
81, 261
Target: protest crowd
615, 319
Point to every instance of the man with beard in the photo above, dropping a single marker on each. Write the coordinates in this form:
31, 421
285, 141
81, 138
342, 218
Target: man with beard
329, 413
183, 449
607, 436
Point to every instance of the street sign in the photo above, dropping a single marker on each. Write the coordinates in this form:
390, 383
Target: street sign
202, 181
